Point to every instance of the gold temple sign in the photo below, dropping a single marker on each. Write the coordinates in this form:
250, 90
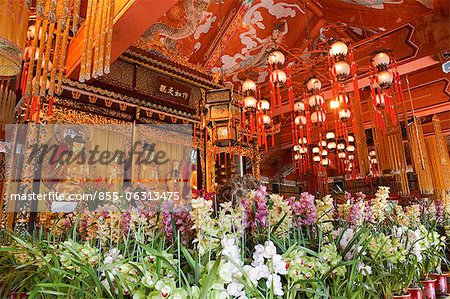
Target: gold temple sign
173, 91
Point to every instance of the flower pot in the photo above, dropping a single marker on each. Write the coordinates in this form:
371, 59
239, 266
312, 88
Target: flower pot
448, 283
441, 284
416, 293
401, 296
429, 288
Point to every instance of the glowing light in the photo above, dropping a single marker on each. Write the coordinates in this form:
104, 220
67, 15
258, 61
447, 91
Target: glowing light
278, 77
334, 104
250, 102
338, 49
341, 70
385, 79
266, 119
318, 117
276, 58
300, 120
264, 105
331, 145
315, 101
344, 115
314, 84
248, 85
381, 60
299, 106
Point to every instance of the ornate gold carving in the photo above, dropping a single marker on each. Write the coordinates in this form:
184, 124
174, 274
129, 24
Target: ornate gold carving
440, 162
123, 106
92, 99
420, 157
76, 95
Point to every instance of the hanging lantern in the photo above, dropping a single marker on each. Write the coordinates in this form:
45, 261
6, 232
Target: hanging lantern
250, 102
299, 106
296, 148
297, 156
300, 120
343, 98
313, 84
350, 138
264, 105
304, 141
324, 153
249, 87
266, 120
338, 49
350, 166
276, 58
372, 153
380, 102
341, 70
318, 117
323, 143
351, 157
381, 61
344, 115
331, 145
316, 150
303, 150
351, 148
334, 104
278, 77
315, 100
330, 135
341, 155
374, 161
325, 162
341, 145
384, 79
316, 159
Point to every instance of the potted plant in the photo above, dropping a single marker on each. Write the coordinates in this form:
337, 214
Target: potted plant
391, 266
431, 260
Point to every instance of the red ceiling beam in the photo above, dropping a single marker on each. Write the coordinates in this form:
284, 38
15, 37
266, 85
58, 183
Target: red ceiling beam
132, 18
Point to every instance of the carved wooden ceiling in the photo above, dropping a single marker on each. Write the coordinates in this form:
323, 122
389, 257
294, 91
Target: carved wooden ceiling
237, 35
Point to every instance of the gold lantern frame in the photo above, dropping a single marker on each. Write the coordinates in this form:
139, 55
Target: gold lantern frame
222, 114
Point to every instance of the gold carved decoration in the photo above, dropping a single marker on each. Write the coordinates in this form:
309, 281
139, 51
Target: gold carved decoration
391, 154
440, 162
420, 157
97, 39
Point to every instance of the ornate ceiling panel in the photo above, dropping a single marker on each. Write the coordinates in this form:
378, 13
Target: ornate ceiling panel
234, 36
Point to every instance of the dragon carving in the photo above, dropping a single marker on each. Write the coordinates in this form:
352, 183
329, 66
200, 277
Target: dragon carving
194, 10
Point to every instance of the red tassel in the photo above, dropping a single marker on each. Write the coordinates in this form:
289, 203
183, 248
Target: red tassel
50, 108
279, 102
38, 108
27, 111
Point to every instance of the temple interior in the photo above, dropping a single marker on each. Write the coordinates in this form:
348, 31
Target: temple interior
224, 149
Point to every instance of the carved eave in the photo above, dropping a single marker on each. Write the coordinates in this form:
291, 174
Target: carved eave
184, 71
145, 104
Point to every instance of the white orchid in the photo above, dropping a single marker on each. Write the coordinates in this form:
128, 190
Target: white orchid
269, 250
364, 269
274, 283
